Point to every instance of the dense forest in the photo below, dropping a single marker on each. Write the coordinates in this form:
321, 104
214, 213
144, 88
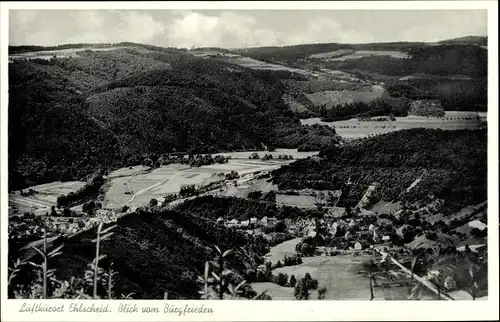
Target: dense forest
70, 117
452, 165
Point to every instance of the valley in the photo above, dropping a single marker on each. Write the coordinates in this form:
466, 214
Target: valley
337, 164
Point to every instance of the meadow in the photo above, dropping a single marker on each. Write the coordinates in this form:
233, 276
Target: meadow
329, 99
352, 128
42, 201
139, 187
367, 53
337, 273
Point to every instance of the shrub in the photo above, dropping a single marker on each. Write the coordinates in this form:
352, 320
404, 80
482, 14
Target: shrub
282, 279
255, 194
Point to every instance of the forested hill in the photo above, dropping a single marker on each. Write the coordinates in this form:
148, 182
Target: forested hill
69, 117
159, 251
452, 165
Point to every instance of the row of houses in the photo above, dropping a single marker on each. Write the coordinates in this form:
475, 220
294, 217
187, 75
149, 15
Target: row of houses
252, 222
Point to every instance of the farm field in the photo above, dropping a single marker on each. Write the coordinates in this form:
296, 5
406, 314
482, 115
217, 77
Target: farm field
44, 199
296, 201
332, 98
332, 54
352, 128
367, 53
257, 64
169, 179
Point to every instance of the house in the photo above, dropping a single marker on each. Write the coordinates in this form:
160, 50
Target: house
358, 246
386, 238
254, 220
264, 220
233, 222
312, 234
220, 220
477, 224
245, 223
371, 227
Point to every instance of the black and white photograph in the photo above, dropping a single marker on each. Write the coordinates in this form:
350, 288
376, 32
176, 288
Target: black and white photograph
250, 155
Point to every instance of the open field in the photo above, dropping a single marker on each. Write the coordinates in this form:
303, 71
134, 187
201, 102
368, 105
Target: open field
45, 198
257, 64
333, 98
169, 179
352, 128
337, 273
124, 172
367, 53
332, 54
296, 201
246, 154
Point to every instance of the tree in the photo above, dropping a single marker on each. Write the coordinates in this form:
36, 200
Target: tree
153, 203
67, 212
61, 201
293, 281
282, 279
322, 293
301, 291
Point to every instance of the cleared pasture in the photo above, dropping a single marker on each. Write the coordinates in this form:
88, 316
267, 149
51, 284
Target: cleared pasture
44, 199
332, 98
332, 54
352, 128
123, 172
61, 53
367, 53
144, 186
257, 64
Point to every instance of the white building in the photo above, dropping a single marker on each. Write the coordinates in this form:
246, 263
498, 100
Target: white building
477, 224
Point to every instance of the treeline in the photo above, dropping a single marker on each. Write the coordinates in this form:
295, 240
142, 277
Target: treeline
24, 49
444, 60
379, 107
453, 165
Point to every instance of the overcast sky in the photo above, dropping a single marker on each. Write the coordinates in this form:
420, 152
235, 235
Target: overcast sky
231, 29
